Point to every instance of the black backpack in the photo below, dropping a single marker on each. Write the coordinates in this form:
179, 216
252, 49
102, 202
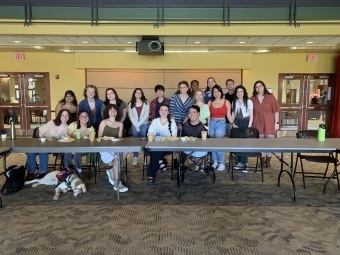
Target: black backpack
15, 179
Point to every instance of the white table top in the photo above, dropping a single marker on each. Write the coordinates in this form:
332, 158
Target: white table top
248, 145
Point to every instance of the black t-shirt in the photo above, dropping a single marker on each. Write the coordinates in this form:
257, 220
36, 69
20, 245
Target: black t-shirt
230, 98
192, 130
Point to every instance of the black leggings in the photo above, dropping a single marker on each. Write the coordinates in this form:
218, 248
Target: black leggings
155, 157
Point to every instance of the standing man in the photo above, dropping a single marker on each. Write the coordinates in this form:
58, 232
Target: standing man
194, 84
230, 97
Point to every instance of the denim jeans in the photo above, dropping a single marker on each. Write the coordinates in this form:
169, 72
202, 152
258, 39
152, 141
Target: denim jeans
217, 130
227, 129
242, 123
77, 160
31, 163
141, 133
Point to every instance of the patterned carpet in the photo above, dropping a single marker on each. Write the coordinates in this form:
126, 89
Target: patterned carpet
244, 216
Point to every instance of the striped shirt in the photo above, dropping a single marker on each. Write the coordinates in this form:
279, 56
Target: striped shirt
178, 109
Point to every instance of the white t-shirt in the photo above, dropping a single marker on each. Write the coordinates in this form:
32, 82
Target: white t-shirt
245, 111
156, 124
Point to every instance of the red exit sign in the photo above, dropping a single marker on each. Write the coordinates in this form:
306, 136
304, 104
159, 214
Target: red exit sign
312, 57
19, 56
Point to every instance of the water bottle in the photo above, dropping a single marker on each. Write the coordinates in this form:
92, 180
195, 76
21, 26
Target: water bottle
322, 133
158, 135
13, 132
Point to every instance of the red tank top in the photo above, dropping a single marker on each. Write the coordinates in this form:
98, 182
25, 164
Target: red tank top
218, 113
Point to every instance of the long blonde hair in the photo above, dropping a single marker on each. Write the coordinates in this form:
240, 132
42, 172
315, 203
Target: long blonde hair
194, 97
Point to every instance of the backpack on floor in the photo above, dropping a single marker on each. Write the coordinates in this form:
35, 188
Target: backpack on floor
15, 179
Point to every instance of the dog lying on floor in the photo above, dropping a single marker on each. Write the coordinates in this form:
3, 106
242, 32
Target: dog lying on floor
71, 182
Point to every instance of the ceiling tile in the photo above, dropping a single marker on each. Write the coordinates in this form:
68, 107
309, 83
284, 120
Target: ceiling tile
58, 39
124, 39
104, 39
222, 39
202, 40
267, 40
247, 39
292, 40
175, 40
81, 39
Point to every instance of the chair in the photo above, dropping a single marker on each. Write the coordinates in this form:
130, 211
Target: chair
57, 155
245, 133
196, 164
325, 159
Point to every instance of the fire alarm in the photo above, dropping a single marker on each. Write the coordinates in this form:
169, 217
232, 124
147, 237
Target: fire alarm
57, 77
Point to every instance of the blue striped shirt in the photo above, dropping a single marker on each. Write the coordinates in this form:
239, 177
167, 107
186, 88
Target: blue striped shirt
179, 110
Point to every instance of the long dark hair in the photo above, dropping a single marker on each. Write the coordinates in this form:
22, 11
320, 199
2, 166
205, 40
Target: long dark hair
245, 97
133, 98
168, 117
186, 84
107, 101
88, 124
96, 95
218, 87
57, 120
265, 92
71, 93
107, 109
208, 89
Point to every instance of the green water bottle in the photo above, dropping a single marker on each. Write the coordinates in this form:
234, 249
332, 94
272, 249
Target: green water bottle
322, 133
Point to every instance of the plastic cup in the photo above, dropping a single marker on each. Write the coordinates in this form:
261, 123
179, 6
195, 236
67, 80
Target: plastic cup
92, 136
3, 137
204, 135
150, 138
78, 134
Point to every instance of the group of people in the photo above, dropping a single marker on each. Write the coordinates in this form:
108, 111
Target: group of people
189, 111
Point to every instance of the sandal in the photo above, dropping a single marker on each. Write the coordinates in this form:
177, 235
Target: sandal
162, 166
151, 180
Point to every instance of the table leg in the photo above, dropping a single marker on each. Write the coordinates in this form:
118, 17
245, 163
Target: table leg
120, 155
179, 175
290, 174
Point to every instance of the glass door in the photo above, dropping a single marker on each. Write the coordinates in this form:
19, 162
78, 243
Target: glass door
24, 100
303, 100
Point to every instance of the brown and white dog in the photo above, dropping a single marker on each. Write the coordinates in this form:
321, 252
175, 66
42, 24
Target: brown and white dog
71, 183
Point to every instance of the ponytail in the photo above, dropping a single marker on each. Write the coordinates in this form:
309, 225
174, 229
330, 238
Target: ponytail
169, 124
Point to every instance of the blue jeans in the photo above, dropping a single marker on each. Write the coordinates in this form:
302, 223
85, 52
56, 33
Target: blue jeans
77, 160
31, 163
227, 129
141, 133
242, 123
217, 130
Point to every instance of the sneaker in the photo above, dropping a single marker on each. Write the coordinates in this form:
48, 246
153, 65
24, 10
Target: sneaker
246, 167
135, 161
239, 166
122, 188
40, 175
29, 177
221, 167
215, 164
110, 175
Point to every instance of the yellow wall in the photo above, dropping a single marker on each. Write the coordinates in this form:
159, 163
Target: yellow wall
264, 66
62, 64
267, 66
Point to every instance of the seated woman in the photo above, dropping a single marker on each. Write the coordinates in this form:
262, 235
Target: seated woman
193, 127
83, 126
167, 127
54, 128
111, 127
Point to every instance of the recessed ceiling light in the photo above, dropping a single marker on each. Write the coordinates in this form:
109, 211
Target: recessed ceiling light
242, 42
17, 41
85, 42
310, 42
129, 42
197, 42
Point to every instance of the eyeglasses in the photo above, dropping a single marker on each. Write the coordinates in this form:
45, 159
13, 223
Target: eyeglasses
83, 116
